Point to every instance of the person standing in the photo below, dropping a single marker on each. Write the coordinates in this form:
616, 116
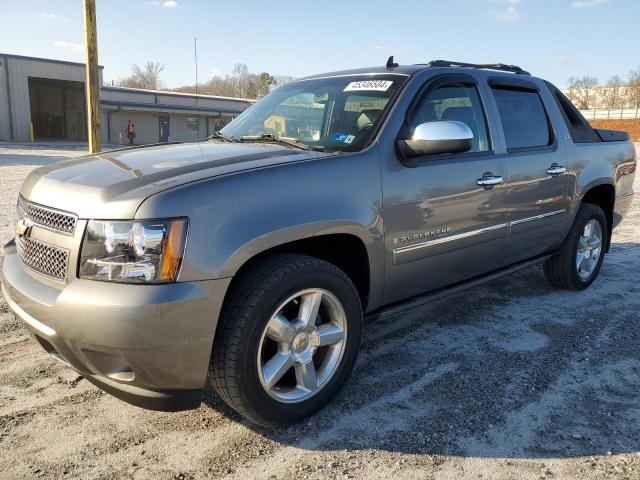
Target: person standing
131, 131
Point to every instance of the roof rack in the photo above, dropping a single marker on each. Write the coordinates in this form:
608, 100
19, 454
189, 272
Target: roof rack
490, 66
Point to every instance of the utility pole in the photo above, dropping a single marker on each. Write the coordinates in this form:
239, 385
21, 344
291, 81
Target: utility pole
93, 77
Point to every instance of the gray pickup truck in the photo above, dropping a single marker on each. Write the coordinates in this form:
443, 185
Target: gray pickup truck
251, 259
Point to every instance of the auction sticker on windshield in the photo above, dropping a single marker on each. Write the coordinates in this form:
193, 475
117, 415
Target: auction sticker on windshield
370, 85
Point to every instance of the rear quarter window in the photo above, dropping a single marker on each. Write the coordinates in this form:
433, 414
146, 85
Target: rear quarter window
523, 117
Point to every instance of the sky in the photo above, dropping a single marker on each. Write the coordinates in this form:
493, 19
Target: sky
554, 39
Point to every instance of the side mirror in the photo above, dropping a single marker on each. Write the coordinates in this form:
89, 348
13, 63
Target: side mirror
433, 138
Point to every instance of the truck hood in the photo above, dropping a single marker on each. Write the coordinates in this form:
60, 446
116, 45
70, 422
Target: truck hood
112, 185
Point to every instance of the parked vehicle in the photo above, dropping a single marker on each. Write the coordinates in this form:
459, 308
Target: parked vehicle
250, 259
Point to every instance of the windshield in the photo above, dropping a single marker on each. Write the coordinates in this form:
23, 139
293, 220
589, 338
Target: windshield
331, 114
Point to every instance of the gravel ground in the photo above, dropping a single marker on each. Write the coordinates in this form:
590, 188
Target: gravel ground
511, 380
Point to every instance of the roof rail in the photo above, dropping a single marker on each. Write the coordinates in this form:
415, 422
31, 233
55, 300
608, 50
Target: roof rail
491, 66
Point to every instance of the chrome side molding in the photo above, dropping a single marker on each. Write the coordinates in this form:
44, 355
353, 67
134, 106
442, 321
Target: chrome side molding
537, 217
459, 236
450, 238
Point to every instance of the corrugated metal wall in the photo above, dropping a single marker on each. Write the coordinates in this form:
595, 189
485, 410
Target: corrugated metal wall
125, 95
152, 97
140, 106
147, 130
144, 108
5, 133
148, 127
20, 69
179, 129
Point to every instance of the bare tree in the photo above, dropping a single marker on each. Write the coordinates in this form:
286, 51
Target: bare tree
220, 86
612, 93
582, 91
241, 80
147, 77
633, 88
241, 83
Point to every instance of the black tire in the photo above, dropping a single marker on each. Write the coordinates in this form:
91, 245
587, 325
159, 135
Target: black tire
560, 270
254, 298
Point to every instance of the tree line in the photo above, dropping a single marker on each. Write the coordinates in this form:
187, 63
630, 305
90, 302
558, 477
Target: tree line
240, 83
587, 93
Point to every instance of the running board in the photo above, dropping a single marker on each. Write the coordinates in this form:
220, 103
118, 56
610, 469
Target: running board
421, 300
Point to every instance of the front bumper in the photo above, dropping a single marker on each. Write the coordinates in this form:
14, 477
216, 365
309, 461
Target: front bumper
148, 345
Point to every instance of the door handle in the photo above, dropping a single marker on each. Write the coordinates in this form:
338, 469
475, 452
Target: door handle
490, 181
555, 170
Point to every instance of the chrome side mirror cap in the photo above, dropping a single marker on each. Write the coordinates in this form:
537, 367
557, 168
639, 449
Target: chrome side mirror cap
435, 138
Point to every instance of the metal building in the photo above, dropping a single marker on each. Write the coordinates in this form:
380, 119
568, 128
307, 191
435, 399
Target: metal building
46, 98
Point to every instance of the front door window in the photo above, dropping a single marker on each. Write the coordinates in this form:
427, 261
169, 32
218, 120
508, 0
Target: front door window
455, 102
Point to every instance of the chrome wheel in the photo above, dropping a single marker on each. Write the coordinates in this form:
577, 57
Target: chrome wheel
589, 249
302, 345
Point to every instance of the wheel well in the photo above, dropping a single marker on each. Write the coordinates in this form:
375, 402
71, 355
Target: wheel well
347, 252
604, 196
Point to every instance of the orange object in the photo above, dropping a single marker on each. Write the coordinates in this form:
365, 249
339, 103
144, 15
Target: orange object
172, 251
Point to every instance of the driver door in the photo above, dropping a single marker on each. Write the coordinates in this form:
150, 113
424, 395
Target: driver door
441, 225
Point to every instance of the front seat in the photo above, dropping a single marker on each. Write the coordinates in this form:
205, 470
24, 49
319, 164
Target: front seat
367, 118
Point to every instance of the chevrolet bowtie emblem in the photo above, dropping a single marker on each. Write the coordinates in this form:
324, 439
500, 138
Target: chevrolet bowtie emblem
23, 227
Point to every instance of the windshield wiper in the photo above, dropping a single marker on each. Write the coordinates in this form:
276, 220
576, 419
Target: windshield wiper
270, 137
226, 138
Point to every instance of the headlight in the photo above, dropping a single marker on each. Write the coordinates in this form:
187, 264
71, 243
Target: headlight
148, 251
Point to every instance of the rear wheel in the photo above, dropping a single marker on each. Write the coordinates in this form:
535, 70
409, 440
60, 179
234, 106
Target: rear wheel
578, 262
287, 340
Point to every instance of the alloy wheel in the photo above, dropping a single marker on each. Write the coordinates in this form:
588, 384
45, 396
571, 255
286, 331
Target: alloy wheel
589, 249
302, 345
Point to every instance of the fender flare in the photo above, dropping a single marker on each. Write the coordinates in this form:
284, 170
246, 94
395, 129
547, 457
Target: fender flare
374, 247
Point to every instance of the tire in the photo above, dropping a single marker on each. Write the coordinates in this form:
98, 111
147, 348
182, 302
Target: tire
561, 270
248, 329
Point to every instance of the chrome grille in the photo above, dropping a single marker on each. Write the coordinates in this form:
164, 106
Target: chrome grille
48, 218
42, 257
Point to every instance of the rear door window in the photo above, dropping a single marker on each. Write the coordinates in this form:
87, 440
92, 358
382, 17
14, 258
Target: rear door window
524, 118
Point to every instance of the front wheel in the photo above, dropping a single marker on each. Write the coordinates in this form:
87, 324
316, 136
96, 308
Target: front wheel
287, 340
578, 262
